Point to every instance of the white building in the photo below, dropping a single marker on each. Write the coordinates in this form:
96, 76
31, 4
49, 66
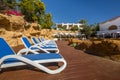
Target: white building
110, 28
70, 25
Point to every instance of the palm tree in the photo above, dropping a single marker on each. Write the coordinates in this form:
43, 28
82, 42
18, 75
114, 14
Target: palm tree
83, 21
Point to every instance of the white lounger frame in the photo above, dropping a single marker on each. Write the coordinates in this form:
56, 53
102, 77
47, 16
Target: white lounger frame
37, 63
40, 48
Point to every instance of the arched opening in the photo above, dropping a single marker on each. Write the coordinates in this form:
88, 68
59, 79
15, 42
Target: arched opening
112, 27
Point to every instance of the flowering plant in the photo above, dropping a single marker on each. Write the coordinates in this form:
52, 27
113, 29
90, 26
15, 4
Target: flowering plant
13, 12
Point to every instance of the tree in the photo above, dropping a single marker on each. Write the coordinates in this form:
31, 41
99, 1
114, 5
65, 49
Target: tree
34, 11
86, 30
28, 10
7, 4
83, 21
94, 28
89, 30
74, 28
47, 21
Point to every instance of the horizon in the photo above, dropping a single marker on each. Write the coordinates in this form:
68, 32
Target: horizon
95, 11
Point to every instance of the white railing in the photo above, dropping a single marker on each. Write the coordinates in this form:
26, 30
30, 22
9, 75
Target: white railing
108, 31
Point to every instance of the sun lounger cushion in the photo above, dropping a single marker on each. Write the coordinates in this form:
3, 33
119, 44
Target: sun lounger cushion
4, 49
41, 56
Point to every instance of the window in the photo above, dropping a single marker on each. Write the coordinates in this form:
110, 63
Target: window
112, 27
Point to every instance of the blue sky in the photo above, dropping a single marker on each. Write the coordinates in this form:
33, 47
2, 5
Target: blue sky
95, 11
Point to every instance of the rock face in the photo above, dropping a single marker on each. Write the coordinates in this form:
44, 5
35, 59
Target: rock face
12, 28
12, 22
107, 48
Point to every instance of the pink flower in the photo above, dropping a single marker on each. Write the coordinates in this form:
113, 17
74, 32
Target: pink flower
13, 12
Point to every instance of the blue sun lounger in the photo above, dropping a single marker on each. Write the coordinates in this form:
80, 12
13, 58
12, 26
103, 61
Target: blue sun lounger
44, 44
37, 47
50, 42
8, 58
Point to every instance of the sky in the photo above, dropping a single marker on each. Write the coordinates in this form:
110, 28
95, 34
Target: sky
72, 11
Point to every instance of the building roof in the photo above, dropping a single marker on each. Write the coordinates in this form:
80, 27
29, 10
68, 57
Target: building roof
110, 20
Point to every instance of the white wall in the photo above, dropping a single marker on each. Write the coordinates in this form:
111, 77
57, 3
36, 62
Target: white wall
106, 25
69, 25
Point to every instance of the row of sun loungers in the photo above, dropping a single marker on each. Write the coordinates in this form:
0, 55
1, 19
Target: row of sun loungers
31, 55
46, 46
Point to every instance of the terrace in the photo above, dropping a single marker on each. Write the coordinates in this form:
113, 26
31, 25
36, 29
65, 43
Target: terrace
80, 66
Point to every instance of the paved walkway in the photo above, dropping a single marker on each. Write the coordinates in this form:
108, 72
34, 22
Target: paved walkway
80, 66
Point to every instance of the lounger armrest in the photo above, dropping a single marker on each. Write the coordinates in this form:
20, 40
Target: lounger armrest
45, 42
40, 44
23, 59
26, 51
38, 47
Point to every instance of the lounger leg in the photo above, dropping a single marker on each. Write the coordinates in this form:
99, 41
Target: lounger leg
56, 63
1, 70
